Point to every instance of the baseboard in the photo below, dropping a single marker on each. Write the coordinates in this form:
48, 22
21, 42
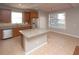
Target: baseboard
67, 34
28, 53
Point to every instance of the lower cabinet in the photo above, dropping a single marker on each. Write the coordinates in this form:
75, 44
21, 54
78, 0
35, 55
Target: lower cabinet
15, 32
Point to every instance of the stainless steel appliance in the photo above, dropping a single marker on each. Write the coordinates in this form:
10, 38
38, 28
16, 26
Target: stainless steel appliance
35, 23
7, 33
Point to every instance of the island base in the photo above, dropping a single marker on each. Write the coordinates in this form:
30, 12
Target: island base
31, 44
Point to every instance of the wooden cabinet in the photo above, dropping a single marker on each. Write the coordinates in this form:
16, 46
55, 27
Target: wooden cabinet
34, 14
24, 28
28, 16
5, 16
1, 34
16, 32
17, 29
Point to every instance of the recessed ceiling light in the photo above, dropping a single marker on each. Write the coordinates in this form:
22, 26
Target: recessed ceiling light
19, 4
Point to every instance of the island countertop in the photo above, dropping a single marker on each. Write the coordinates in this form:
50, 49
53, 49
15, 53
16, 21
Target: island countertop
33, 32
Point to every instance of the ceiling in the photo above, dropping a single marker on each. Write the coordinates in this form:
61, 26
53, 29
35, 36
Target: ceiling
48, 7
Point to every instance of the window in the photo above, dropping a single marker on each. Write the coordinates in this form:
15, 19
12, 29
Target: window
61, 18
16, 17
57, 20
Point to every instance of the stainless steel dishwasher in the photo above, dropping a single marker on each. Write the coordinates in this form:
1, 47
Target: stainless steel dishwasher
7, 33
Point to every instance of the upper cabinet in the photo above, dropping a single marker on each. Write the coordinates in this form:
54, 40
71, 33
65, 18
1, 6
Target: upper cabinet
5, 16
28, 16
34, 14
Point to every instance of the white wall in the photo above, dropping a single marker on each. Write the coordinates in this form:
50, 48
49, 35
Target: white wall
43, 18
72, 22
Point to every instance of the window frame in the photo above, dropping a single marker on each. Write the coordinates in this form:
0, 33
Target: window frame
51, 18
17, 22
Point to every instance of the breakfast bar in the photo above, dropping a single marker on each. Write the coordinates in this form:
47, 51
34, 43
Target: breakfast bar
33, 39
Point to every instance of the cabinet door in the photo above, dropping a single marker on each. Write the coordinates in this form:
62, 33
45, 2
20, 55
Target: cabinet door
34, 14
1, 34
26, 16
16, 32
5, 16
1, 16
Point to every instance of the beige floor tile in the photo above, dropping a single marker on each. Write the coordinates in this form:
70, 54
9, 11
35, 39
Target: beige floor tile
58, 44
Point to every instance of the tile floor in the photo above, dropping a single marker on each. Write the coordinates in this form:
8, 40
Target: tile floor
58, 44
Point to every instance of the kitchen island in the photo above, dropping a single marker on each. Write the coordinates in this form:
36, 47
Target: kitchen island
34, 39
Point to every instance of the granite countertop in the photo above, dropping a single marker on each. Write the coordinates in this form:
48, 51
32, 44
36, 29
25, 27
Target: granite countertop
9, 25
6, 25
33, 32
